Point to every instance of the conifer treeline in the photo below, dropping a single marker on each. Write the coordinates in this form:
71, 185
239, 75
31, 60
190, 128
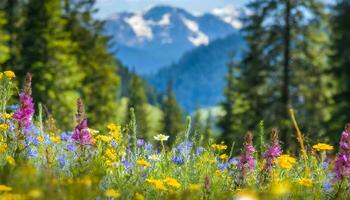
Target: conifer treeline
61, 43
298, 56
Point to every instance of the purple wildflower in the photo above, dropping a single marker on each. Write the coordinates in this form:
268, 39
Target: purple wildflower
273, 152
140, 142
24, 113
82, 133
246, 162
342, 163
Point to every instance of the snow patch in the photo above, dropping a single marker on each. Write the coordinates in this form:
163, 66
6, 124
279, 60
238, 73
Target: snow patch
198, 37
140, 26
230, 15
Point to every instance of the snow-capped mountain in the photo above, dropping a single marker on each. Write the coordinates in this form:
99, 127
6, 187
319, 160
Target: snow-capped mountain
159, 36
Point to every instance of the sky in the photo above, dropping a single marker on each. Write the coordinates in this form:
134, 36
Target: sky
109, 7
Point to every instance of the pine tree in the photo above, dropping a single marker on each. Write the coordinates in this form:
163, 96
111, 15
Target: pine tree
340, 59
13, 10
233, 106
138, 101
48, 52
281, 65
173, 117
101, 82
4, 50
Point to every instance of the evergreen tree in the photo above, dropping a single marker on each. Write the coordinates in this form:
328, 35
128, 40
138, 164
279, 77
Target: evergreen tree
340, 60
48, 52
138, 101
233, 106
13, 10
173, 117
281, 65
4, 50
101, 82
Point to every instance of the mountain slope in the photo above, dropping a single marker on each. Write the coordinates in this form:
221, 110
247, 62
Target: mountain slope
159, 36
198, 77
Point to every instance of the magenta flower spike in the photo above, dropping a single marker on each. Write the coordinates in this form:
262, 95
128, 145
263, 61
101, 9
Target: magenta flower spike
247, 163
25, 112
342, 163
82, 132
273, 152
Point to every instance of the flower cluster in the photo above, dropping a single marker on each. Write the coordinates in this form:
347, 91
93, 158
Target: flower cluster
24, 113
246, 162
342, 163
273, 152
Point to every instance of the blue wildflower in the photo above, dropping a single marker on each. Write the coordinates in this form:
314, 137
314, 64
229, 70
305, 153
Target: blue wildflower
327, 186
325, 165
148, 146
61, 160
140, 142
178, 160
65, 136
199, 150
71, 147
126, 164
33, 153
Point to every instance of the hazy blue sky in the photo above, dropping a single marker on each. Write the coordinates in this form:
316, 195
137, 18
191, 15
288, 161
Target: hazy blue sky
108, 7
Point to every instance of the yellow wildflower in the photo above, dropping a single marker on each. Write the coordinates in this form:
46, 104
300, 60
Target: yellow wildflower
11, 196
111, 154
115, 131
280, 188
194, 187
322, 147
86, 180
218, 173
139, 196
11, 160
3, 147
35, 194
172, 182
40, 139
143, 163
219, 146
223, 156
157, 184
4, 126
1, 75
305, 182
55, 139
9, 74
112, 193
6, 115
104, 138
285, 161
4, 188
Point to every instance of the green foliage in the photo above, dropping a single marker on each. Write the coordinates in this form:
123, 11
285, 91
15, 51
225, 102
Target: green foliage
340, 60
173, 118
48, 52
101, 81
4, 50
287, 65
138, 101
234, 106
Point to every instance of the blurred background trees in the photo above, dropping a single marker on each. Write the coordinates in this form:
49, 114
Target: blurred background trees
297, 55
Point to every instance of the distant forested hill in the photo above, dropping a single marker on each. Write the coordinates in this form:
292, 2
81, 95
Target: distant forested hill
198, 77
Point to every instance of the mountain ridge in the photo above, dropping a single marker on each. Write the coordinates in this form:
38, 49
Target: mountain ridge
147, 41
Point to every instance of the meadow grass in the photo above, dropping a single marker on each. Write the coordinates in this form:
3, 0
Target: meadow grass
38, 161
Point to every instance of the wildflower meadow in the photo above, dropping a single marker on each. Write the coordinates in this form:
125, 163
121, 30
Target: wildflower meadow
39, 161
